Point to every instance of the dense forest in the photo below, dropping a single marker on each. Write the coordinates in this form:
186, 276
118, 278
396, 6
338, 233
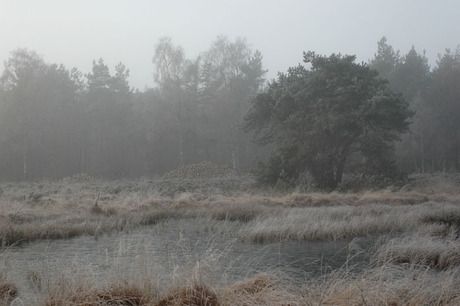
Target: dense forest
57, 122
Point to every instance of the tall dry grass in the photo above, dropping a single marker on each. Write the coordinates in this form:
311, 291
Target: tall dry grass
65, 209
386, 285
381, 284
421, 251
342, 222
140, 280
418, 264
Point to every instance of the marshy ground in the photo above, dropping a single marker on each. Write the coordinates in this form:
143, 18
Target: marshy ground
415, 259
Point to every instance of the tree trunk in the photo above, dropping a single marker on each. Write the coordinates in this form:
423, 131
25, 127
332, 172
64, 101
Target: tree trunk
83, 160
422, 151
181, 143
24, 161
341, 165
324, 176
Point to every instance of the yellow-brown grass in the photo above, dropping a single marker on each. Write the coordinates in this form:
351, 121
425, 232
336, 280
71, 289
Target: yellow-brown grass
421, 251
117, 294
194, 295
384, 282
421, 268
8, 292
59, 210
263, 289
338, 222
387, 285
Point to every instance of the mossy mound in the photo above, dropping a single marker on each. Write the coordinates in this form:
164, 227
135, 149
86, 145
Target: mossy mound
78, 178
204, 169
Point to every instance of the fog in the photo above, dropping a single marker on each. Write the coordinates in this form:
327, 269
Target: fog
75, 33
140, 88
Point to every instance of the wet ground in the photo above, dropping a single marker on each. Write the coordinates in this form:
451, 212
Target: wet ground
170, 248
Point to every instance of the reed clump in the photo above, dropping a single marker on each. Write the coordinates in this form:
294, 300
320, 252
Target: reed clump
421, 252
72, 207
235, 211
447, 218
418, 265
8, 292
380, 285
196, 294
328, 223
386, 280
262, 289
319, 199
122, 295
387, 285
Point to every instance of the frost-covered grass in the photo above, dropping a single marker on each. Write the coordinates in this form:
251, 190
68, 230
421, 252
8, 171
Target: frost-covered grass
342, 222
417, 262
385, 281
66, 208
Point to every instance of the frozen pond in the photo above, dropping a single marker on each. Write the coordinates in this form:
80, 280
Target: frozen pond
167, 249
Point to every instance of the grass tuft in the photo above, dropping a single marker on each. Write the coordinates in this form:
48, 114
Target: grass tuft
117, 294
193, 295
232, 211
447, 218
421, 251
418, 265
8, 292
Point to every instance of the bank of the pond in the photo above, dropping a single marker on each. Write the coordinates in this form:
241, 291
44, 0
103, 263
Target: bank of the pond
181, 262
157, 242
175, 244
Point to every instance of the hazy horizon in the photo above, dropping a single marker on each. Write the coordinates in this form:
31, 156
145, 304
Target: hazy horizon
76, 33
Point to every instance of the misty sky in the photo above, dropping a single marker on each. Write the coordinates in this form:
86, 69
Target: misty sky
75, 33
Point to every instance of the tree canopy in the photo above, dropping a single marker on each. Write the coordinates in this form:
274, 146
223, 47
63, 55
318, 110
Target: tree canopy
320, 117
321, 121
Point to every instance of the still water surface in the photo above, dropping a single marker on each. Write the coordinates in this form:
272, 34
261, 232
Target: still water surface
166, 250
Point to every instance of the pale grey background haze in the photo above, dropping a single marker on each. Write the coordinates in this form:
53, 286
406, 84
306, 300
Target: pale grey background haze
75, 33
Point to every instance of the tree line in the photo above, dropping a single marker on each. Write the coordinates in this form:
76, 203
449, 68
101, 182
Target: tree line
371, 121
432, 143
56, 122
